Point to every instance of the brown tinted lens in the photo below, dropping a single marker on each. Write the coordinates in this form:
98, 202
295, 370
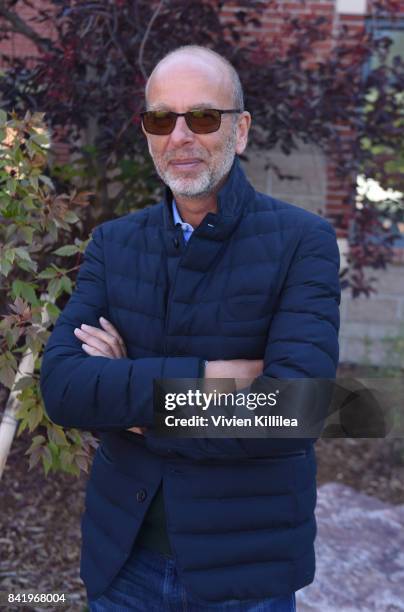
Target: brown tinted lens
159, 122
203, 121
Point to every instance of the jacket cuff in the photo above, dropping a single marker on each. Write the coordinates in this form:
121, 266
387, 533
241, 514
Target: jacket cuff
202, 367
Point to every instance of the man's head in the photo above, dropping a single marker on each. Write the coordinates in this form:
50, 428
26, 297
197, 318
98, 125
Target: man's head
191, 78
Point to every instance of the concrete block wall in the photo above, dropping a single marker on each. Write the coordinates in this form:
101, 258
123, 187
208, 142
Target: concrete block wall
372, 328
308, 164
365, 321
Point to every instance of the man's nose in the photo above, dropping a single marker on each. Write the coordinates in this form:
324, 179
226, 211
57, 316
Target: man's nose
181, 132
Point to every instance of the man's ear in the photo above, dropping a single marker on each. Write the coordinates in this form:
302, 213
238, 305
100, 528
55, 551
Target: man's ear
243, 128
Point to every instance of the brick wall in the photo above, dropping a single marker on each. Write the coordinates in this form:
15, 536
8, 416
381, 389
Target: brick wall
21, 46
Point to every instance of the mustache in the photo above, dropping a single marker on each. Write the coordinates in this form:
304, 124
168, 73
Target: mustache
171, 158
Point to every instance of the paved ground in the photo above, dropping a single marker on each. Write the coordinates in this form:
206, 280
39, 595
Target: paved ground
359, 554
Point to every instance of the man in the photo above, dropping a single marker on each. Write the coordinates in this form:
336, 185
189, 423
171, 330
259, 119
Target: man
215, 273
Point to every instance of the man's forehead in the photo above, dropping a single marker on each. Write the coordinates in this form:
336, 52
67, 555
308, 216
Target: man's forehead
169, 78
156, 105
200, 64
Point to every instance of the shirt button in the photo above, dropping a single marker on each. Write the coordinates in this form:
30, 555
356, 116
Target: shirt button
141, 495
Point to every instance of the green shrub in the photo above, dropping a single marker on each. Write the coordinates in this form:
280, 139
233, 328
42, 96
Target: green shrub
34, 222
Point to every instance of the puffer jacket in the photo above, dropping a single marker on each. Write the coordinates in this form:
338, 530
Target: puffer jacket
257, 280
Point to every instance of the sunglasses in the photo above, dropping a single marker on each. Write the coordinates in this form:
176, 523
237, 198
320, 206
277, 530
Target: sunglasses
202, 121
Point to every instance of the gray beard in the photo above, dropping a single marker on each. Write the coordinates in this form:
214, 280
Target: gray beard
207, 181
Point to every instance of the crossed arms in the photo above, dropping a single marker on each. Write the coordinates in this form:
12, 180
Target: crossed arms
107, 391
107, 342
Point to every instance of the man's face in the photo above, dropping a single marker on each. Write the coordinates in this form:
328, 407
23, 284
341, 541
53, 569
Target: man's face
193, 165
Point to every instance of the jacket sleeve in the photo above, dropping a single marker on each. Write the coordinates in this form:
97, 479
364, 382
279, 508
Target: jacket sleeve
99, 393
302, 343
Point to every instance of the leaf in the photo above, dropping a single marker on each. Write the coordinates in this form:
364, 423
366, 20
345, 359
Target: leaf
5, 267
49, 272
8, 358
46, 459
45, 179
10, 232
41, 139
66, 457
82, 198
67, 250
73, 469
74, 435
34, 457
53, 310
37, 440
9, 255
23, 253
54, 287
19, 306
54, 449
27, 266
11, 185
7, 376
66, 284
34, 344
57, 435
28, 203
33, 181
11, 336
27, 233
71, 217
34, 416
22, 426
81, 462
24, 290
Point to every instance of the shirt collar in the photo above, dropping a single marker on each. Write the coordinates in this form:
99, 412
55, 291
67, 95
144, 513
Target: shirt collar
234, 199
177, 219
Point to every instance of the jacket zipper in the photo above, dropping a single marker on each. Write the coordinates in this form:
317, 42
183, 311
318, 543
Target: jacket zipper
170, 294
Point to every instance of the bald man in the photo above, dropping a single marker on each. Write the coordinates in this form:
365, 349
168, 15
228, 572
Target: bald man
216, 281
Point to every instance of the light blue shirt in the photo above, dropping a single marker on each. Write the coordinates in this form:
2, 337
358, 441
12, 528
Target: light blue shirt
186, 227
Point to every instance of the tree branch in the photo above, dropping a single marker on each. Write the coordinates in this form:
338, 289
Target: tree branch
21, 27
145, 37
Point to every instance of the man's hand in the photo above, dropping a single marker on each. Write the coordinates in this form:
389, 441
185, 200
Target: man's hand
244, 371
104, 342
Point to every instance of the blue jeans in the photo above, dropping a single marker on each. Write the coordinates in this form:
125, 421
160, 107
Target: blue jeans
149, 582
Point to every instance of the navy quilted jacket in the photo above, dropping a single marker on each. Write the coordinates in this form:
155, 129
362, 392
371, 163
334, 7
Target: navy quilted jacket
257, 280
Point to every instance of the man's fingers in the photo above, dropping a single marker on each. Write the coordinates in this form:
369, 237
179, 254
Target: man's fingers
92, 351
95, 342
101, 340
138, 430
107, 325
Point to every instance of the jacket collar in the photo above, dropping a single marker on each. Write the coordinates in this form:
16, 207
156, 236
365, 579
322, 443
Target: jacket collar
232, 202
